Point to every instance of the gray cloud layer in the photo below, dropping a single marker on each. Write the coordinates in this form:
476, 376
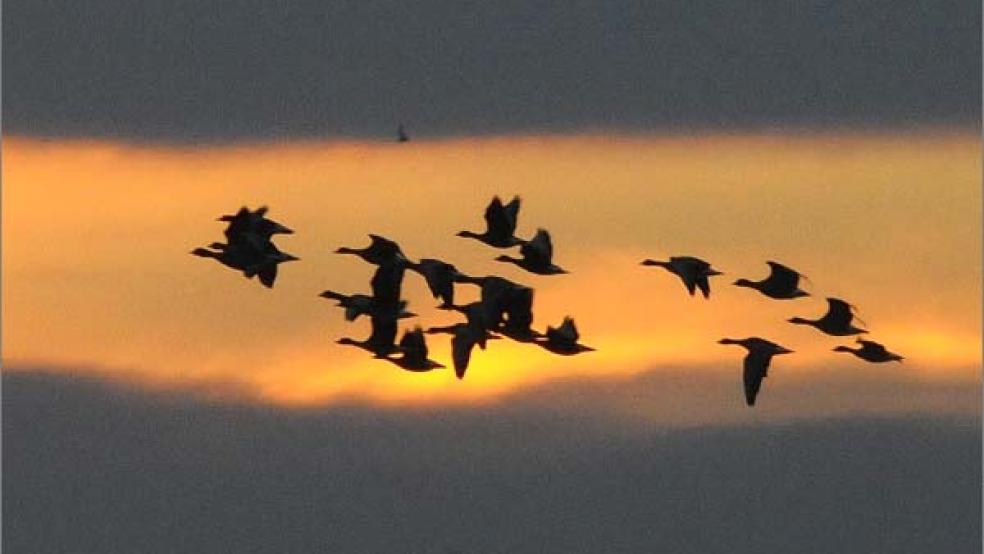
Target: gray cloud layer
95, 468
210, 69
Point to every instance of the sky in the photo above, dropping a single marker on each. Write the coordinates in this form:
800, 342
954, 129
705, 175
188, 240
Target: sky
167, 401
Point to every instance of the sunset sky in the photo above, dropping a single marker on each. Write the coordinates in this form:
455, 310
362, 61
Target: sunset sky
839, 138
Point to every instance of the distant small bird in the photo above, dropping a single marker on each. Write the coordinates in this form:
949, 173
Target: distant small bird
500, 221
381, 341
380, 251
781, 284
401, 134
360, 304
760, 353
537, 255
692, 271
837, 320
440, 277
564, 339
871, 351
414, 349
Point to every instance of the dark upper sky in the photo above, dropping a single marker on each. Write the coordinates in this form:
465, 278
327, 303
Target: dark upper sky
221, 69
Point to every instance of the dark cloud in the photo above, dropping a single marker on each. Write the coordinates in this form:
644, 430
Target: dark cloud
90, 467
210, 69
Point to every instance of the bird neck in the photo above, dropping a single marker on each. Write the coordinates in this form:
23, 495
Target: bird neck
801, 321
469, 235
658, 263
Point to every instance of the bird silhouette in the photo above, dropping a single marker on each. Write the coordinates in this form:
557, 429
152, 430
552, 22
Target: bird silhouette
500, 221
837, 320
564, 339
245, 258
781, 284
463, 340
380, 251
760, 353
537, 255
414, 349
692, 271
381, 341
360, 304
871, 351
440, 277
245, 223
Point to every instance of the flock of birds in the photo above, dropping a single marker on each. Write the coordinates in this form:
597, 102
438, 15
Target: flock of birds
505, 308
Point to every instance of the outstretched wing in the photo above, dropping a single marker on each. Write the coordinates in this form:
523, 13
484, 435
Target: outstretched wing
413, 344
512, 212
839, 312
268, 274
461, 347
783, 277
539, 249
703, 285
756, 369
496, 218
383, 332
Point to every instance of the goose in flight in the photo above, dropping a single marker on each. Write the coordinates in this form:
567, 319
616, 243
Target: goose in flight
440, 277
246, 222
500, 221
537, 255
381, 340
837, 321
871, 351
563, 340
414, 349
387, 283
380, 251
248, 260
360, 304
692, 271
781, 284
463, 340
760, 353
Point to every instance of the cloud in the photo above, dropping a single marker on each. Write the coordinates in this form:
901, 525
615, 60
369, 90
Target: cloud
92, 467
210, 70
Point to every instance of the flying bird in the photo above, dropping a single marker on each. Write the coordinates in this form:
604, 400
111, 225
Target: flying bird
247, 259
760, 353
360, 304
381, 341
537, 255
781, 284
564, 339
245, 222
440, 277
871, 351
692, 271
500, 221
837, 321
380, 251
463, 340
414, 349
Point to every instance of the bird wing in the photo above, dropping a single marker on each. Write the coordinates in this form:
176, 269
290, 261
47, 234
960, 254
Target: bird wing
756, 368
383, 331
539, 249
519, 309
568, 330
386, 283
512, 211
461, 347
496, 218
838, 312
783, 277
267, 275
704, 285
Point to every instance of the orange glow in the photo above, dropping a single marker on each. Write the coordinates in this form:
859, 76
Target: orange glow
96, 270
